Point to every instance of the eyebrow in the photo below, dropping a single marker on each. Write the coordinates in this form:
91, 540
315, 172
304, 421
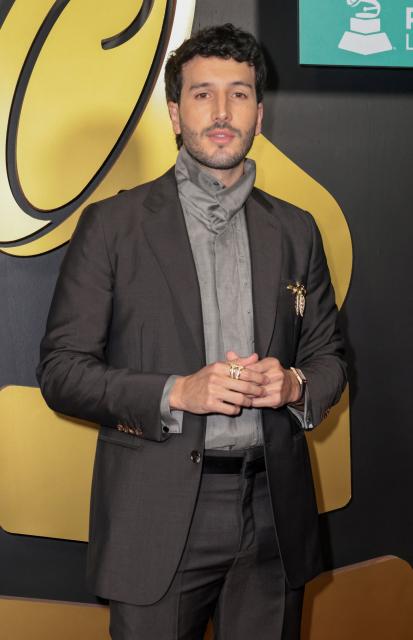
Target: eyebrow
203, 85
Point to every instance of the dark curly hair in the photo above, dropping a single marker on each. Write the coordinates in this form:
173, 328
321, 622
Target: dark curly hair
223, 41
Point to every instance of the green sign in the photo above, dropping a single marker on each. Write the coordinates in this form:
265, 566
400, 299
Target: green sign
356, 33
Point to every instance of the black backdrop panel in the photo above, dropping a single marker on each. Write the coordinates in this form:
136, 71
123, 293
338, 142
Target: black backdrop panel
349, 129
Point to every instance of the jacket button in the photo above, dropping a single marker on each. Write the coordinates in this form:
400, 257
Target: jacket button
195, 456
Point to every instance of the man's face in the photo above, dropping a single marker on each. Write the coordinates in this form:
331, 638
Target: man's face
217, 115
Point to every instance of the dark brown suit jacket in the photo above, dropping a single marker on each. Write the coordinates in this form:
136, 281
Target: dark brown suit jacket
125, 315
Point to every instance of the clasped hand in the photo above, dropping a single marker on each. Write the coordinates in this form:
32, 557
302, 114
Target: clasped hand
263, 384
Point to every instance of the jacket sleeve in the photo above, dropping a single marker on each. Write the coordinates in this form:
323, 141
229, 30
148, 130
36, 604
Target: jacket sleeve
73, 374
320, 352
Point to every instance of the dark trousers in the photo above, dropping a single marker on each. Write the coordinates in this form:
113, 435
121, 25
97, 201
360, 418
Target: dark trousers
230, 571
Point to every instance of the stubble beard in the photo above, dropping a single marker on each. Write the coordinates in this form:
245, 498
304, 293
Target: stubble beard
191, 142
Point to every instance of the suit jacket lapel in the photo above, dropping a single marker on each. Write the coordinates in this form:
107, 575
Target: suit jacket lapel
166, 233
265, 248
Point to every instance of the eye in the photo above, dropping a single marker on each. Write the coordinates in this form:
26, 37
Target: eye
240, 95
202, 95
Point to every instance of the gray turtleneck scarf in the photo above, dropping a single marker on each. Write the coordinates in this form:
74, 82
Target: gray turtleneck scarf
215, 220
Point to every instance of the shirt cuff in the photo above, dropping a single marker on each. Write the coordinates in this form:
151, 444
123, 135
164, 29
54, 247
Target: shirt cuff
304, 415
171, 420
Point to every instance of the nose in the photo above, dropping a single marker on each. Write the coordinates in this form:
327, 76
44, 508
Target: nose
222, 109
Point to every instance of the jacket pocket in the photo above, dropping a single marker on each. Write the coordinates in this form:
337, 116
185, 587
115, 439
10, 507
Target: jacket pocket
111, 435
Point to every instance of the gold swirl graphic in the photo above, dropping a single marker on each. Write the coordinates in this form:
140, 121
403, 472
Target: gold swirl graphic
71, 99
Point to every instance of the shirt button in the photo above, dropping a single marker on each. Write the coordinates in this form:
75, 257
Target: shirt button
195, 456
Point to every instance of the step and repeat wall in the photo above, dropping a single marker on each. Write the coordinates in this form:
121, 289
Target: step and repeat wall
83, 115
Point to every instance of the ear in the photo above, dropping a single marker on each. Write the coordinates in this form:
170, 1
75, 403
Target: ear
173, 109
260, 115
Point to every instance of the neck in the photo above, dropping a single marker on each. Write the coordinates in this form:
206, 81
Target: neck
228, 177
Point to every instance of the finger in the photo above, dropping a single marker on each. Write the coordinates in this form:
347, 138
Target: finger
217, 405
260, 367
237, 399
222, 369
241, 386
248, 375
243, 361
227, 409
266, 402
276, 387
272, 397
267, 365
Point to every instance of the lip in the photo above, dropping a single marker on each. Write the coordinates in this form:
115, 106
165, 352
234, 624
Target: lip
221, 135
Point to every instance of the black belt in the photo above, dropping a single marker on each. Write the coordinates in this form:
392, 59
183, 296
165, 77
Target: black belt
230, 464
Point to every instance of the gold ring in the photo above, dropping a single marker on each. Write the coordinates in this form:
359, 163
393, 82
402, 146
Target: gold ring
235, 370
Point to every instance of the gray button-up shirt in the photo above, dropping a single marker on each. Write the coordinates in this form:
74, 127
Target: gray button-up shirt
215, 220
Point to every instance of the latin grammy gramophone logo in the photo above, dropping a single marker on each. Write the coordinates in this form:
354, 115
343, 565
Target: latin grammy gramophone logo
365, 36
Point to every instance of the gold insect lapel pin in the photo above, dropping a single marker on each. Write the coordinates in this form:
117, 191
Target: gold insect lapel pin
299, 292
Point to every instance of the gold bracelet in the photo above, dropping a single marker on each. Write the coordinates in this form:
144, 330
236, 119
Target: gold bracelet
301, 381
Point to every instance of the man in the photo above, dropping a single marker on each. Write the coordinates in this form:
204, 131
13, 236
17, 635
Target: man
194, 319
